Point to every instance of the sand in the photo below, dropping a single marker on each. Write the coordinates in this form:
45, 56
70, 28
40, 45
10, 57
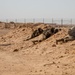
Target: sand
20, 57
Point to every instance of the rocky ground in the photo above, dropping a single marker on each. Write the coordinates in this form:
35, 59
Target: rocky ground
21, 57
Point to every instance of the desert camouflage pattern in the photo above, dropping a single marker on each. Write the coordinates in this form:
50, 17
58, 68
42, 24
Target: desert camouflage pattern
71, 37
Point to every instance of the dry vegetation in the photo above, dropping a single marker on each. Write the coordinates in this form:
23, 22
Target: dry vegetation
20, 57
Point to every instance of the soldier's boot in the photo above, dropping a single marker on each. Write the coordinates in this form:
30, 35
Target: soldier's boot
27, 39
70, 38
36, 41
66, 39
60, 40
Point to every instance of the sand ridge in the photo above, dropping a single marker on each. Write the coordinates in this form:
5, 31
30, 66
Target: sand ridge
45, 58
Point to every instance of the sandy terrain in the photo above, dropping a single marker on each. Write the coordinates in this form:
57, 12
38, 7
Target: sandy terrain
20, 57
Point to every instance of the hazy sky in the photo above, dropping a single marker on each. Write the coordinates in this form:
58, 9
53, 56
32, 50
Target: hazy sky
37, 9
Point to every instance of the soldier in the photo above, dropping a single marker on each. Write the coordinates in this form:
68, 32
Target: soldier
71, 32
46, 34
49, 32
71, 36
36, 33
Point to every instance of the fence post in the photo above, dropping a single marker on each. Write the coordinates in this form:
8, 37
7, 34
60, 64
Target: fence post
6, 23
33, 20
43, 20
61, 21
7, 20
71, 21
24, 20
15, 20
52, 21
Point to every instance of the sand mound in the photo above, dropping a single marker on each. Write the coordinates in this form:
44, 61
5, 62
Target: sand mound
20, 57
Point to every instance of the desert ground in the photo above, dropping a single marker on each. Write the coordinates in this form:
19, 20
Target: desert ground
21, 57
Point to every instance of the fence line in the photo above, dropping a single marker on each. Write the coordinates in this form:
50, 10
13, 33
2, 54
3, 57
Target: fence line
41, 20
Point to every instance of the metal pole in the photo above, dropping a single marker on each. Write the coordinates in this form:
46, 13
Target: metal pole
71, 21
15, 20
24, 20
7, 20
52, 21
43, 20
33, 20
61, 21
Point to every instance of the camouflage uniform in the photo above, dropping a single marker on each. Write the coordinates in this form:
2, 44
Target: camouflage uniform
71, 36
71, 32
36, 33
49, 32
